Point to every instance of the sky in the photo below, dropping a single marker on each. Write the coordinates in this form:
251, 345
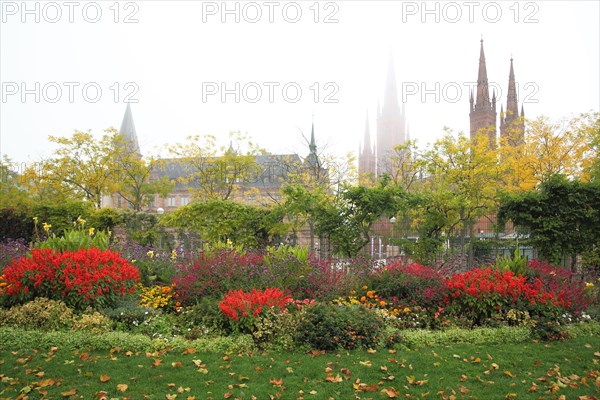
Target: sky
270, 68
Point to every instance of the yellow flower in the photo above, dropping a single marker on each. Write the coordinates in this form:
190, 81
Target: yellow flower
91, 231
46, 226
589, 284
150, 254
80, 221
406, 310
35, 220
173, 254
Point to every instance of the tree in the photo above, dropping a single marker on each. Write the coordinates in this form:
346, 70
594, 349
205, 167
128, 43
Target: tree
347, 221
554, 148
216, 173
82, 165
562, 216
133, 178
222, 221
462, 185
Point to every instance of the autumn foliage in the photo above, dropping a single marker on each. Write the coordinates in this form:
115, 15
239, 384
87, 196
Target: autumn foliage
87, 277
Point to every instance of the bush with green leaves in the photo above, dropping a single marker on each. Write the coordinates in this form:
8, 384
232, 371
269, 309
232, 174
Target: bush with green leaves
127, 315
517, 264
93, 322
204, 319
40, 313
331, 327
275, 330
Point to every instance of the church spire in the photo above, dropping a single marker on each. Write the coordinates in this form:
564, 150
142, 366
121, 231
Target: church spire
511, 104
483, 89
312, 160
482, 113
128, 130
511, 125
312, 146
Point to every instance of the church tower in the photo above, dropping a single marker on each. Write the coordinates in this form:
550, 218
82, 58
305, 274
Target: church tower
391, 123
482, 111
512, 126
312, 160
366, 157
128, 131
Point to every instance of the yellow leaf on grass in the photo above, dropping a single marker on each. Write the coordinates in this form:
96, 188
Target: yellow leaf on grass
367, 363
69, 393
390, 392
121, 387
176, 364
334, 379
510, 374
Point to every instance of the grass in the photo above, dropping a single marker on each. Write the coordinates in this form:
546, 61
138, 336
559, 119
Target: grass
527, 370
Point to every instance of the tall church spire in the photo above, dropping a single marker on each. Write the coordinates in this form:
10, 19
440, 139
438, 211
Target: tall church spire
366, 156
128, 130
391, 122
511, 125
482, 113
483, 88
511, 104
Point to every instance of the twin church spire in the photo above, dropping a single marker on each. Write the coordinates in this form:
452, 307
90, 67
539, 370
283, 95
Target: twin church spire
482, 110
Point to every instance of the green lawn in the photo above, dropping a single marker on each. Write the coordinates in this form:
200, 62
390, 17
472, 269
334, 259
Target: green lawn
462, 371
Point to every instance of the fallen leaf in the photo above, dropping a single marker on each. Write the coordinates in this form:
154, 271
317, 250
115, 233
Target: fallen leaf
121, 387
276, 382
390, 392
334, 379
69, 393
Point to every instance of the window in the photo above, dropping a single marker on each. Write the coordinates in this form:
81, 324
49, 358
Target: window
185, 201
171, 201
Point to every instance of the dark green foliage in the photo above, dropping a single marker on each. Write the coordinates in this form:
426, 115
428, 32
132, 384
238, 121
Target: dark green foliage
330, 327
222, 220
15, 224
205, 318
562, 217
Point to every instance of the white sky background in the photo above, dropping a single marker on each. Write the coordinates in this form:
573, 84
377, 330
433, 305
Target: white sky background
170, 53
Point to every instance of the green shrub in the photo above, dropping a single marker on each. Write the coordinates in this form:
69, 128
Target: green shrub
39, 313
204, 318
517, 264
18, 339
508, 335
127, 315
329, 327
276, 330
92, 322
159, 326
